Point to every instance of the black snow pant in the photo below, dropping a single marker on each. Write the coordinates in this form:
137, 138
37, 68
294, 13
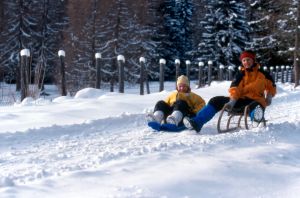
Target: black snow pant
179, 105
219, 101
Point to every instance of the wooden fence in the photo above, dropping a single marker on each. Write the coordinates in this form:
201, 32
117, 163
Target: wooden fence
205, 75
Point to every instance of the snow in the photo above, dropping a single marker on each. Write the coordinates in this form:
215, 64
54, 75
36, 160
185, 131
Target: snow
96, 144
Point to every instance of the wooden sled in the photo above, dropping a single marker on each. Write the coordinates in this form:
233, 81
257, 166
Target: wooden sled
239, 119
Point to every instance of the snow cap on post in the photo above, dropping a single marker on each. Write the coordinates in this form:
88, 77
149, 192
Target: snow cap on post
121, 58
221, 66
177, 61
265, 68
25, 52
162, 61
61, 53
142, 59
230, 67
210, 62
98, 55
201, 64
187, 62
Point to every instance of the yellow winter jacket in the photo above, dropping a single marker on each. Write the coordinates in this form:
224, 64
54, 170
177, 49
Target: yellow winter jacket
254, 84
194, 101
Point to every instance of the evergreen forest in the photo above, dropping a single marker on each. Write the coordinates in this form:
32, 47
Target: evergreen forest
194, 30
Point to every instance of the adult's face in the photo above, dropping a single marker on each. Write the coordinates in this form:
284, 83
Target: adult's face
247, 62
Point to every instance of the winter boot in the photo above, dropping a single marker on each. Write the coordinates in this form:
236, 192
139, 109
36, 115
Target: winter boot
257, 114
157, 116
203, 116
175, 118
191, 124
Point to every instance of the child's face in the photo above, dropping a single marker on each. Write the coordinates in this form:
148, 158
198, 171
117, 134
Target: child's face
247, 62
182, 87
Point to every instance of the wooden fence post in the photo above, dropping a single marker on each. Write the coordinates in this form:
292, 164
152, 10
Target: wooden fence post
289, 74
121, 61
200, 73
209, 71
230, 70
292, 74
113, 74
221, 70
265, 68
276, 73
286, 73
98, 70
177, 70
62, 54
188, 68
25, 54
146, 78
162, 63
142, 75
282, 73
272, 72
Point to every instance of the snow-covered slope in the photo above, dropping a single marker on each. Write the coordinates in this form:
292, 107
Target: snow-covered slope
96, 144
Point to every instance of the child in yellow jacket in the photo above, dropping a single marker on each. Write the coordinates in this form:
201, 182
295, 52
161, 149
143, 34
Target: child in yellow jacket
177, 105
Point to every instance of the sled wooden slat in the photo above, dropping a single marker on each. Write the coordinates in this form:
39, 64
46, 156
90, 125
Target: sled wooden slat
236, 120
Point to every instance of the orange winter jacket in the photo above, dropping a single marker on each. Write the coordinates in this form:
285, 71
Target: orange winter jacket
254, 84
194, 101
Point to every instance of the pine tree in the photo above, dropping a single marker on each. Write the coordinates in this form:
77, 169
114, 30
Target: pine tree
146, 25
261, 20
111, 33
19, 33
1, 37
84, 61
226, 32
175, 35
285, 22
116, 35
35, 25
207, 47
197, 29
53, 22
297, 46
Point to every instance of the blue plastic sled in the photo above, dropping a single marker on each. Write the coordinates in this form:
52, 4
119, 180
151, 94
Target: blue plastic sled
166, 127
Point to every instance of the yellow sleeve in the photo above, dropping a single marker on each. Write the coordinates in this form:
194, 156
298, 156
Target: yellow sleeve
171, 98
198, 103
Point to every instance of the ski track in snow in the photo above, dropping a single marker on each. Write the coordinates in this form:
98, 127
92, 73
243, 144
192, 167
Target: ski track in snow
58, 150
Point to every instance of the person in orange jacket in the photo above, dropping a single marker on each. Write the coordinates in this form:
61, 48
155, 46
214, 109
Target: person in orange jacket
177, 105
250, 86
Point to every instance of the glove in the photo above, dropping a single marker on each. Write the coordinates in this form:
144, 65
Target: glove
229, 105
269, 99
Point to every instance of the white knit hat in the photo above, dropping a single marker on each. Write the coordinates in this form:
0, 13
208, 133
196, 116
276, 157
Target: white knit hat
183, 80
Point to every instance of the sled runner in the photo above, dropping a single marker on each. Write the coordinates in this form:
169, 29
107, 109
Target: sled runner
166, 127
240, 119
